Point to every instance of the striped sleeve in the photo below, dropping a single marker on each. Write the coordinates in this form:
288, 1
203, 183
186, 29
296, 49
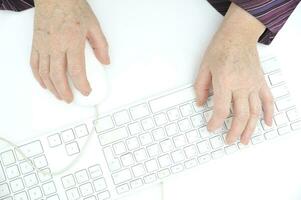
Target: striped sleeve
272, 13
16, 5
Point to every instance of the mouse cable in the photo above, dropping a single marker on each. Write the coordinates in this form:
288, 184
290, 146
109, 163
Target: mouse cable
67, 167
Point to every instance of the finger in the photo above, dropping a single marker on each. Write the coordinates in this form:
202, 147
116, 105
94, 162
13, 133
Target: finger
267, 104
202, 85
255, 109
58, 69
99, 44
44, 71
77, 69
241, 116
221, 109
34, 63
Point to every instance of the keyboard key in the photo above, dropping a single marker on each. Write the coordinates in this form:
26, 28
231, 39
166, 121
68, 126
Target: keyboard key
8, 157
210, 102
138, 170
147, 124
81, 176
271, 134
135, 128
31, 149
284, 104
99, 184
81, 131
90, 198
68, 181
4, 190
284, 130
72, 194
208, 115
228, 123
2, 176
132, 143
280, 119
153, 150
179, 141
178, 156
86, 189
160, 119
25, 167
40, 162
172, 100
145, 139
204, 132
190, 151
166, 145
193, 136
258, 139
68, 135
16, 185
72, 149
21, 196
279, 91
173, 114
296, 126
121, 118
231, 149
151, 165
12, 172
203, 146
95, 171
184, 125
139, 111
150, 178
293, 114
172, 129
216, 142
140, 155
158, 134
276, 78
122, 176
44, 175
177, 168
122, 189
163, 173
31, 180
127, 159
197, 121
103, 124
119, 148
136, 183
49, 188
54, 197
191, 163
164, 161
198, 108
218, 153
186, 110
54, 140
35, 193
113, 136
270, 65
103, 195
113, 163
205, 158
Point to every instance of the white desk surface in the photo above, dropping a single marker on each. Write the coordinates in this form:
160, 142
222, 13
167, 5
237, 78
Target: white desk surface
155, 46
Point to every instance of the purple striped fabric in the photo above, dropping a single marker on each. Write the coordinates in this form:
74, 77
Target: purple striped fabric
272, 13
16, 5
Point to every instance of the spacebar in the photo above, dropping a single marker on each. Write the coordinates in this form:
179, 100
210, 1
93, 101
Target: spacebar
172, 99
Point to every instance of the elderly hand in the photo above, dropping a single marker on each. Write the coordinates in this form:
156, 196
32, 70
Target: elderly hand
60, 30
231, 64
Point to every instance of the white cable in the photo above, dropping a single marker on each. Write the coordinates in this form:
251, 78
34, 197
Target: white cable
67, 167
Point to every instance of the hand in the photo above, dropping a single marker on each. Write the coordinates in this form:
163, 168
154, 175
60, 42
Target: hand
60, 30
231, 64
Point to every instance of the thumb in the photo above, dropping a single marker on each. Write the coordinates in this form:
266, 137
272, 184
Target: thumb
99, 44
202, 85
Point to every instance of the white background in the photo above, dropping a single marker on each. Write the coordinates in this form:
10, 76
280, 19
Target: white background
155, 46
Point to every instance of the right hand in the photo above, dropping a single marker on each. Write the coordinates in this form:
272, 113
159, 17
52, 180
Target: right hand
60, 30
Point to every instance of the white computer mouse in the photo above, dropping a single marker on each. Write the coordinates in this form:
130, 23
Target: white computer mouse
97, 78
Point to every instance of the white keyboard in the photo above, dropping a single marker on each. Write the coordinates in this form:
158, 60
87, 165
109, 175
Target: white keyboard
135, 146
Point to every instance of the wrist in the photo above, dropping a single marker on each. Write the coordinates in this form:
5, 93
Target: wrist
239, 24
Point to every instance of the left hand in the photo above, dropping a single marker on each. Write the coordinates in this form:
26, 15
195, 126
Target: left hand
231, 64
